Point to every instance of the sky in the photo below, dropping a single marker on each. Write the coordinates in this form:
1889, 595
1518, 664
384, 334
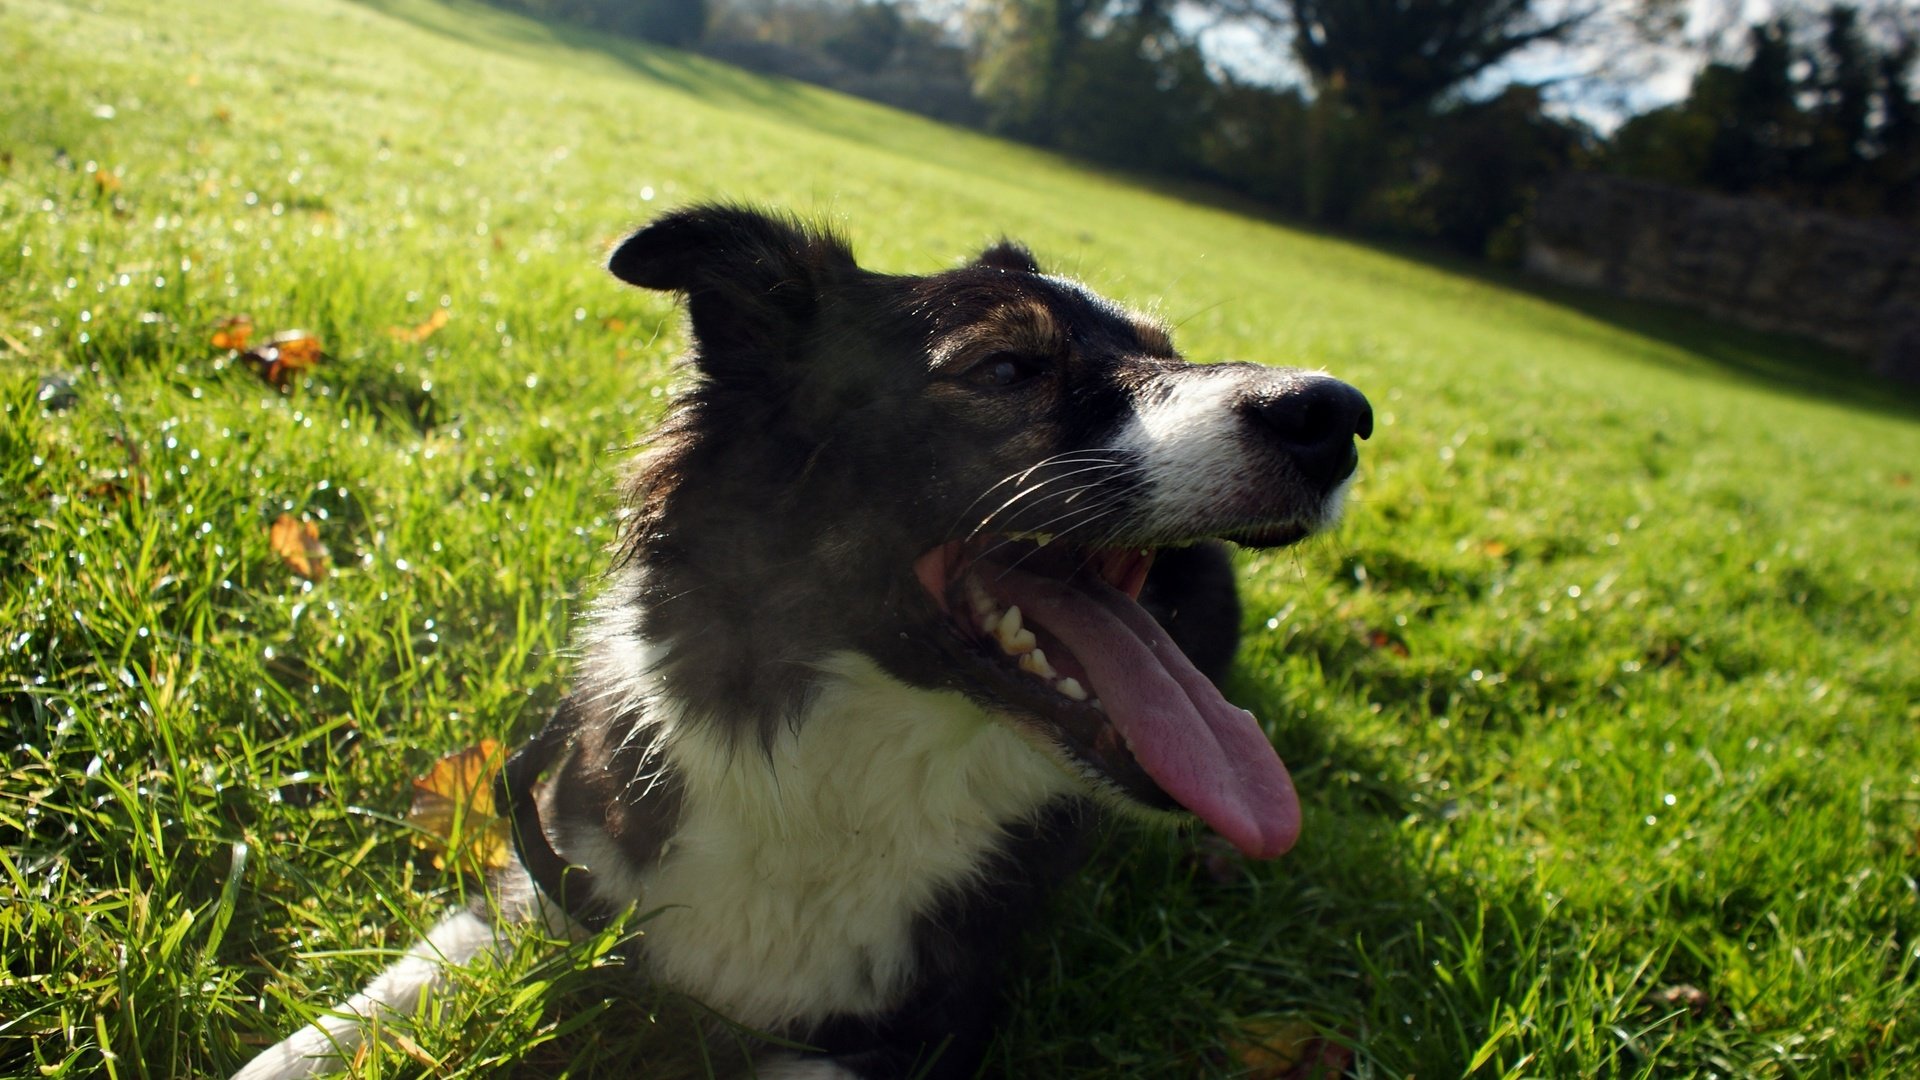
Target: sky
1600, 84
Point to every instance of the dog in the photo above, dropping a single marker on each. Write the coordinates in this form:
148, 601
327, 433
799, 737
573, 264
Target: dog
874, 653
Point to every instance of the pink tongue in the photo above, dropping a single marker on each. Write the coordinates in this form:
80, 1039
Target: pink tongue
1210, 756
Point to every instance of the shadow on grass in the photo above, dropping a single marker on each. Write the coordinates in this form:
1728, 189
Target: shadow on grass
498, 29
1170, 958
1690, 342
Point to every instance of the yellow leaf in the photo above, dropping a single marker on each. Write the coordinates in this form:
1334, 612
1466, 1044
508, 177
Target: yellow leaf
298, 545
1286, 1048
233, 332
453, 809
422, 332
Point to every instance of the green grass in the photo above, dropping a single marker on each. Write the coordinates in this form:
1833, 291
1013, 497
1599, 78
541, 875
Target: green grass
1608, 687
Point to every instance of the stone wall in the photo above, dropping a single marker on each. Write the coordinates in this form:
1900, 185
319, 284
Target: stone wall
1849, 283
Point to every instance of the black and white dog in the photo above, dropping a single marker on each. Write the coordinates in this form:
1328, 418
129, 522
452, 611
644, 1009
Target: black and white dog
875, 650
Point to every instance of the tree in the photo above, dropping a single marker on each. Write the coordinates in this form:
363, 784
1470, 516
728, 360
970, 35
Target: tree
1029, 56
1394, 57
1819, 111
1021, 50
868, 37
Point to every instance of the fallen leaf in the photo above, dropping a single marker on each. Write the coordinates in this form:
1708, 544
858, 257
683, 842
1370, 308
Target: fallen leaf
285, 353
116, 489
1380, 639
422, 332
298, 545
411, 1049
453, 811
1287, 1048
106, 181
1681, 996
1902, 479
614, 323
298, 349
1494, 548
233, 332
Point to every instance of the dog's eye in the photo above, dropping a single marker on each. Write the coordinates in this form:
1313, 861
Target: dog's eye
1004, 369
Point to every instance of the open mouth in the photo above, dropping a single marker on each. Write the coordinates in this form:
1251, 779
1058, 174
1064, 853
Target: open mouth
1056, 635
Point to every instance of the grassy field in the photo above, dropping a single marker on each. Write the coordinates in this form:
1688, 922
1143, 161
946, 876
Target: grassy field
1603, 704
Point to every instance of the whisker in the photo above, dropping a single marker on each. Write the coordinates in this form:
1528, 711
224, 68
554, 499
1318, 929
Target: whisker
1068, 457
1068, 512
1076, 518
1042, 486
1110, 509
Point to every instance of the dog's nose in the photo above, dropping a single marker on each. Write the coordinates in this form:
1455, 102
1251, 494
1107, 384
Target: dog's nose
1315, 420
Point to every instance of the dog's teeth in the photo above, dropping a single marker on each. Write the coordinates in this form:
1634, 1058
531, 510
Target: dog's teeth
1072, 689
1023, 642
978, 600
1096, 704
1008, 626
1035, 663
1043, 539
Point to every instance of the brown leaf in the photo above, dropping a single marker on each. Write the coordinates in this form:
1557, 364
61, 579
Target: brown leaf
106, 181
298, 349
117, 489
422, 332
453, 809
1287, 1048
298, 545
1380, 639
285, 353
233, 332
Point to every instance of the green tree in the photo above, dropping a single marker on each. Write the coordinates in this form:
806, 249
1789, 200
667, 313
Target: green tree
1818, 112
1393, 57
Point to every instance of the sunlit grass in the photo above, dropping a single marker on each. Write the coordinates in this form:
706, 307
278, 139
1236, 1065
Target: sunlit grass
1606, 692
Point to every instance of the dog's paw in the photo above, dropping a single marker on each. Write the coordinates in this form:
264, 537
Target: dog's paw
795, 1067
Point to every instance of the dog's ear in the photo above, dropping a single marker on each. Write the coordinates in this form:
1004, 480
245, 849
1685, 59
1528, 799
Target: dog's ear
1009, 255
745, 274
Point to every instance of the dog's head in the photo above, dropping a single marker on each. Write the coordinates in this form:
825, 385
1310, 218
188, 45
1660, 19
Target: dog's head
894, 465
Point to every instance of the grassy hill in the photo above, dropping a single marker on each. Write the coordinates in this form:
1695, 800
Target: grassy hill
1603, 704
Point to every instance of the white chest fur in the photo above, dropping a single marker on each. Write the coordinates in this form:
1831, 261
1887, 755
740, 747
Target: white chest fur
790, 889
